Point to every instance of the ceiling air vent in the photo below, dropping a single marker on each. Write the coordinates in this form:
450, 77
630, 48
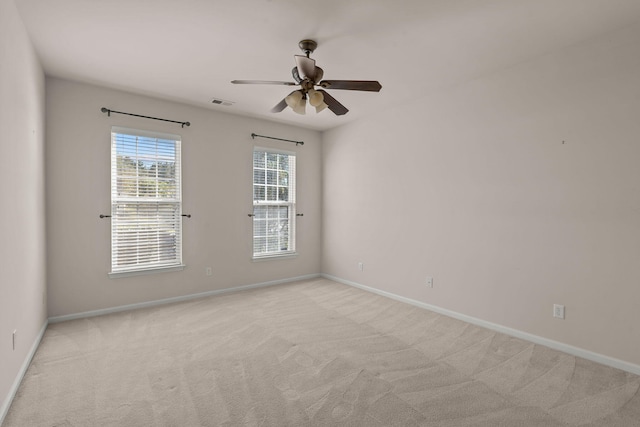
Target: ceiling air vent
218, 101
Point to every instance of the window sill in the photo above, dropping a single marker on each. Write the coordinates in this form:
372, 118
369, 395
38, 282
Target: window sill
286, 255
130, 273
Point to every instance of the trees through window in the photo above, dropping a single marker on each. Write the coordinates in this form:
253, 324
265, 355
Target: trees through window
274, 207
146, 201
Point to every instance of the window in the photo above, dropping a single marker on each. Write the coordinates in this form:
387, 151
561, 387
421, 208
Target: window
146, 205
274, 203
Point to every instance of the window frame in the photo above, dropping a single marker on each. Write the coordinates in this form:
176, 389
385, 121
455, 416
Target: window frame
174, 219
290, 204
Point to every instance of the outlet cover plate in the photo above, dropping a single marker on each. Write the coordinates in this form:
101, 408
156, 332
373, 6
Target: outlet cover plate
558, 311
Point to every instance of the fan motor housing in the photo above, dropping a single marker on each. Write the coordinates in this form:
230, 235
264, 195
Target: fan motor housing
306, 85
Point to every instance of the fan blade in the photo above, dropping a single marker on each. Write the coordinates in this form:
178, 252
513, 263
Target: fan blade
333, 104
306, 67
261, 82
279, 107
367, 85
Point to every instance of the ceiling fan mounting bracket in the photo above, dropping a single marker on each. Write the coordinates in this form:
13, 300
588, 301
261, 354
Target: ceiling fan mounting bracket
308, 46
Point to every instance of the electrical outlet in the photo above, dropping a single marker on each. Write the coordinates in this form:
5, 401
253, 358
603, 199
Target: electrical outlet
13, 339
208, 271
558, 311
361, 266
429, 282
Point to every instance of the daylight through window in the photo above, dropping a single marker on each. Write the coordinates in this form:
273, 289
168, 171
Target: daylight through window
146, 221
274, 208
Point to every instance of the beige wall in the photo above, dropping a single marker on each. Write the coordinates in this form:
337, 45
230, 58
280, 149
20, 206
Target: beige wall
515, 191
217, 176
22, 276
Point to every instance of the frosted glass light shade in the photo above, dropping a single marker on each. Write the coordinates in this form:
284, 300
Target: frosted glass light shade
320, 107
293, 99
300, 107
315, 98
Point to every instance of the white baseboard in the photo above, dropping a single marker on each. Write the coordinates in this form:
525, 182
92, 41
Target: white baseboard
556, 345
575, 351
6, 404
100, 312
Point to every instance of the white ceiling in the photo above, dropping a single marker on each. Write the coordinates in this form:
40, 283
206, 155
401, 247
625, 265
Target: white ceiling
190, 50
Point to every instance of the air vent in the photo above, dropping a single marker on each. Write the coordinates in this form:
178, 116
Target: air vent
218, 101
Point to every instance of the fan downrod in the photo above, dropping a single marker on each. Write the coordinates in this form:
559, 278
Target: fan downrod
308, 46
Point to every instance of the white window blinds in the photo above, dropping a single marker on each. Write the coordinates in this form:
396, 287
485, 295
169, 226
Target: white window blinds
274, 203
146, 201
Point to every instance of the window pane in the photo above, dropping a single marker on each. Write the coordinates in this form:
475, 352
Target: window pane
273, 226
272, 161
260, 227
260, 212
271, 193
258, 192
167, 188
258, 176
259, 159
283, 178
165, 169
271, 177
272, 244
259, 245
145, 233
127, 187
284, 161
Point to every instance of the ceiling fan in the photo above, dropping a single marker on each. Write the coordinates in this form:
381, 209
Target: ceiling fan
307, 75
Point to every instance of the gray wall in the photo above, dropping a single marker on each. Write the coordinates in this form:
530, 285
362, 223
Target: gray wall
22, 242
515, 191
217, 178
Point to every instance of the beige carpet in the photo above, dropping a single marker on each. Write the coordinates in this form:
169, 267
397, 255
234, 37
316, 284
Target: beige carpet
313, 353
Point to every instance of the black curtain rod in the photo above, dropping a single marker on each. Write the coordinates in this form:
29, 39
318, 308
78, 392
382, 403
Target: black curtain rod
253, 136
106, 110
109, 216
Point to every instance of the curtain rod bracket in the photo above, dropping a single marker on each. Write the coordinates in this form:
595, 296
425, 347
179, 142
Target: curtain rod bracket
254, 135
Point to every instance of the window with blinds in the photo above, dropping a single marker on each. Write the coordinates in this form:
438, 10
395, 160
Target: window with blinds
146, 201
274, 203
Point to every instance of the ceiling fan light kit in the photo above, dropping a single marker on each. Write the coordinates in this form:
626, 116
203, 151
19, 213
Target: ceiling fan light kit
321, 107
293, 98
307, 75
315, 98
